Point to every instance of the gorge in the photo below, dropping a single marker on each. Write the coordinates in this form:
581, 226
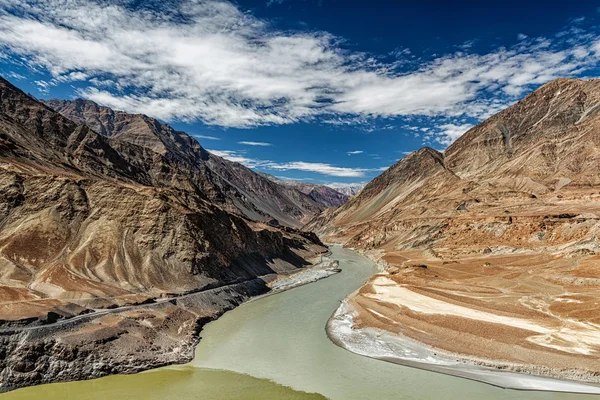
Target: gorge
122, 238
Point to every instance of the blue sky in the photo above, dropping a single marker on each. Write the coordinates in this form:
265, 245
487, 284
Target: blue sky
318, 90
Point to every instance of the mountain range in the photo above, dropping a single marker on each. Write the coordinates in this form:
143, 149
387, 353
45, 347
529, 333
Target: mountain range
104, 211
230, 185
488, 250
325, 196
502, 224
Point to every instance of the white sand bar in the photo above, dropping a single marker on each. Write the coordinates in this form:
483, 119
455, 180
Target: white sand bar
405, 351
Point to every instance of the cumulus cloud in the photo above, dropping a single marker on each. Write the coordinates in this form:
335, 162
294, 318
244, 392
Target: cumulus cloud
320, 168
211, 61
260, 144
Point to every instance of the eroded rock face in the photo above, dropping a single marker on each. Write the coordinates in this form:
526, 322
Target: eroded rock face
231, 185
121, 342
506, 221
91, 221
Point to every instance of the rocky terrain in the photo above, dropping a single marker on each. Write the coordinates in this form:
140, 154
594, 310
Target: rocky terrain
348, 190
234, 187
119, 220
325, 196
491, 247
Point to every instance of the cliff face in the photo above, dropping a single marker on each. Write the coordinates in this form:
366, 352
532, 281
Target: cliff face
505, 222
93, 221
231, 185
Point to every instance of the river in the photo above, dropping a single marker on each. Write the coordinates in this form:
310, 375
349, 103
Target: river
275, 347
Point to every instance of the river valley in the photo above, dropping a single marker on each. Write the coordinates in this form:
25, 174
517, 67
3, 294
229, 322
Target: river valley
275, 347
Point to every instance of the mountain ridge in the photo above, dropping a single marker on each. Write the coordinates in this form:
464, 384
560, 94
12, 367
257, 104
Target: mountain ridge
90, 223
234, 186
504, 222
324, 195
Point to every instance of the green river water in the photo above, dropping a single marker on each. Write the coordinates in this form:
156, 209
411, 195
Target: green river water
276, 348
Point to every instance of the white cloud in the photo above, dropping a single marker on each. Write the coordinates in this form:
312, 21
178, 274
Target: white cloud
237, 157
211, 61
521, 36
261, 144
287, 178
14, 75
206, 137
446, 134
355, 152
320, 168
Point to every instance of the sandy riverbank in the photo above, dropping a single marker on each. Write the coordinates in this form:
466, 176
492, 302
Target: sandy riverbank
402, 350
322, 270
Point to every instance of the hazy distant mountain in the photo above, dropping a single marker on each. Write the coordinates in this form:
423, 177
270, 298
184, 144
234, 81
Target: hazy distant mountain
233, 186
348, 190
324, 195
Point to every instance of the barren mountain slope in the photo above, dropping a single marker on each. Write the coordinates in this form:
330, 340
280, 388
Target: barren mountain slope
325, 196
85, 216
89, 222
233, 186
491, 246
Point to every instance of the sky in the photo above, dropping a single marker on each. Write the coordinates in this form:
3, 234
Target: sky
323, 91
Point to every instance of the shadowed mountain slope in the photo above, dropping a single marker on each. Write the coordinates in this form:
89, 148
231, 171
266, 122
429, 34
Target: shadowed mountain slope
236, 188
86, 217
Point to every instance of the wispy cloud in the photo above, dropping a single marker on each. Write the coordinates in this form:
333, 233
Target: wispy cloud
320, 168
206, 137
237, 157
261, 144
287, 178
355, 152
214, 62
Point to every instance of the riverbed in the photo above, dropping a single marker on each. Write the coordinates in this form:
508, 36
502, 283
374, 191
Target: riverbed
275, 347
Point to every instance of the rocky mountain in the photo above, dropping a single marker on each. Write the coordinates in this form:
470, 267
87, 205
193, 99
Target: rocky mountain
348, 190
325, 196
504, 222
93, 222
231, 185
